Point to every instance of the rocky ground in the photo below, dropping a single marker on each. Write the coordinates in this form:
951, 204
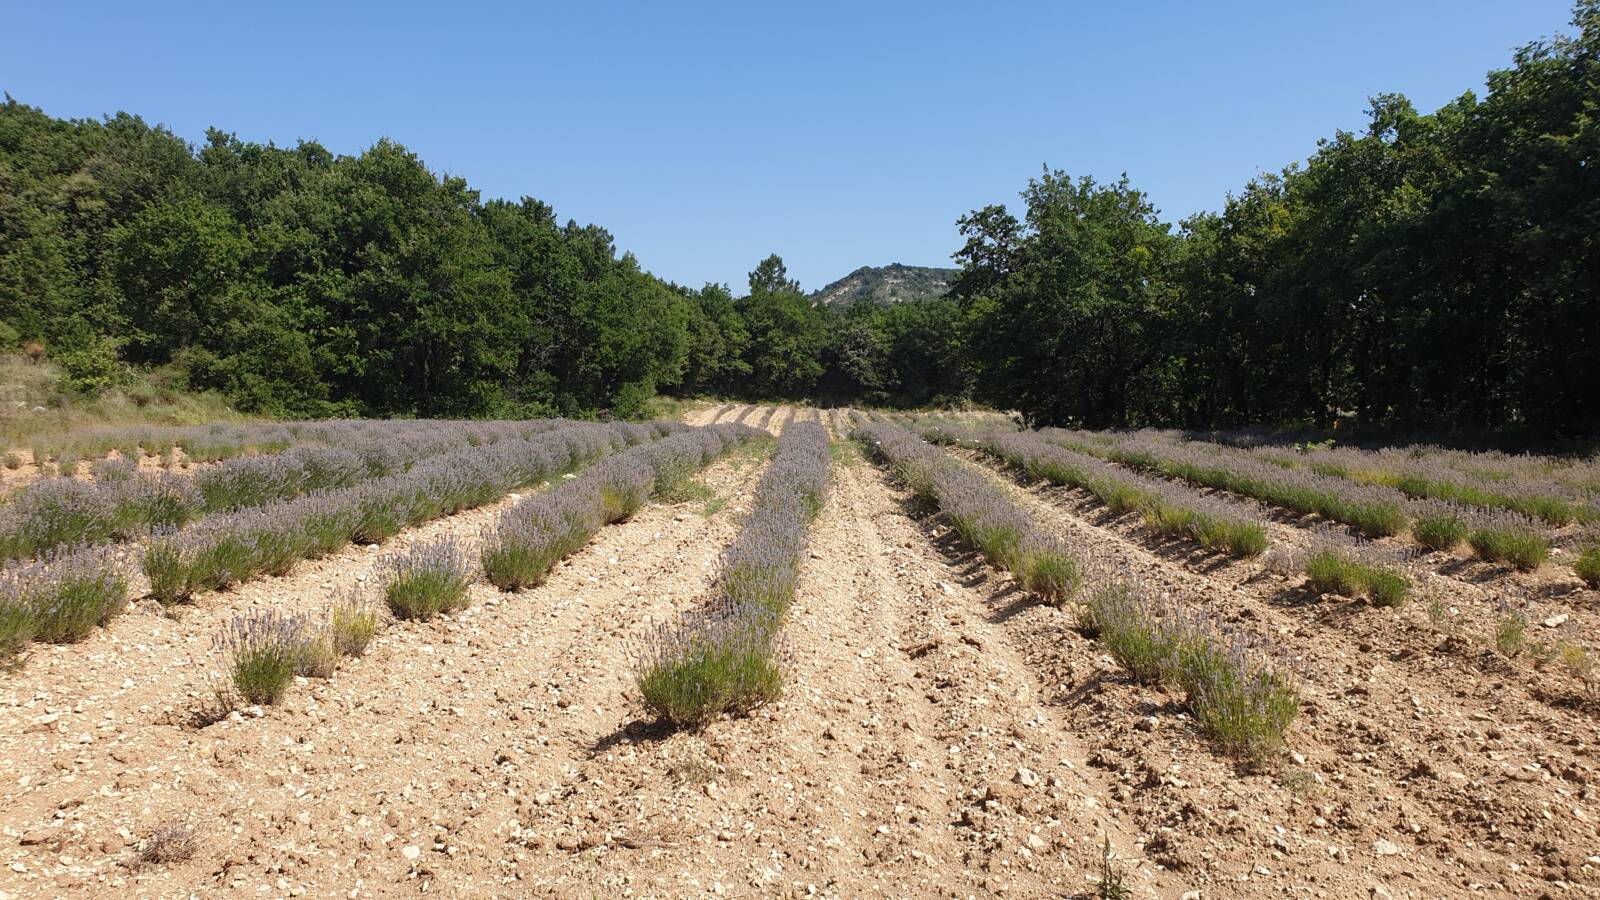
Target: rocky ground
941, 735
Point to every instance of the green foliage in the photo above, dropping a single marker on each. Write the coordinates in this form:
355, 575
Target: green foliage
1588, 565
711, 678
1333, 571
1427, 270
1439, 531
1524, 548
1511, 634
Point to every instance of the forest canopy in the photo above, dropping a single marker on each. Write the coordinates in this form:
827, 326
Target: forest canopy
1435, 270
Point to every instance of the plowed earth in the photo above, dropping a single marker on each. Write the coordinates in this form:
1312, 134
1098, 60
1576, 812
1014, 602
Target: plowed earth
940, 735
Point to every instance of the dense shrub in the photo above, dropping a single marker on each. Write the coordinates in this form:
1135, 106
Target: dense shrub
1588, 565
1239, 698
263, 650
1342, 569
1509, 540
62, 598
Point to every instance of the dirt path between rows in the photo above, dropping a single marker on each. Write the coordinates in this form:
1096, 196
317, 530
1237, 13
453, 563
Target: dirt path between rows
1435, 770
322, 794
910, 755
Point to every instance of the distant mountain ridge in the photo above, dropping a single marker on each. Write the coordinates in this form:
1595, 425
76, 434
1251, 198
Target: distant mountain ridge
894, 283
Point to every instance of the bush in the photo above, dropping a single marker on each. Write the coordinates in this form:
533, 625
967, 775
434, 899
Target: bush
1338, 571
720, 662
1440, 531
352, 623
1523, 548
1511, 634
1051, 574
1588, 565
62, 598
16, 627
426, 580
1238, 699
263, 651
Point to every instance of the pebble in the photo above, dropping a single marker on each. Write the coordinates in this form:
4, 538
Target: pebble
1026, 777
411, 852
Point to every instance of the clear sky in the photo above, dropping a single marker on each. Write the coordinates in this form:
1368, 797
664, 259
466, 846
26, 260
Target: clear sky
707, 135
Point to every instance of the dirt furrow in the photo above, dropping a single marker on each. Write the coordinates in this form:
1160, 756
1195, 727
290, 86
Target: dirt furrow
908, 757
325, 793
1404, 754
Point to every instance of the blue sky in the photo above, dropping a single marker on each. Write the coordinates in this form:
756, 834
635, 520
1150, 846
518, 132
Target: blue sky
706, 135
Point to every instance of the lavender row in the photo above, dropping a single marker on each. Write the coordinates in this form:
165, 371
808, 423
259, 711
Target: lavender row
531, 537
263, 650
203, 443
1235, 690
1167, 508
723, 657
978, 509
122, 503
225, 549
1372, 510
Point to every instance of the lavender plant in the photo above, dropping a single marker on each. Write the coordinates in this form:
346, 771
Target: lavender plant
719, 661
1509, 538
1350, 568
263, 650
64, 596
1239, 697
426, 580
1588, 565
352, 624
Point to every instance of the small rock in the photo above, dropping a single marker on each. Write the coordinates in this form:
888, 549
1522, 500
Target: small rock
1037, 844
411, 852
1026, 777
1385, 847
1555, 621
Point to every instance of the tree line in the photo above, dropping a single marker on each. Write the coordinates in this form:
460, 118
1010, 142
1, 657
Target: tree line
1435, 270
299, 282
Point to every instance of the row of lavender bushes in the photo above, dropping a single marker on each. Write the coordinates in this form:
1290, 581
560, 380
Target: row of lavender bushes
1553, 491
63, 595
1238, 693
1166, 508
202, 443
1372, 510
540, 531
122, 503
222, 550
263, 650
723, 658
978, 509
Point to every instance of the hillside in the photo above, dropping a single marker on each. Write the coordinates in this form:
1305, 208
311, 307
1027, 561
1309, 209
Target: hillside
894, 283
